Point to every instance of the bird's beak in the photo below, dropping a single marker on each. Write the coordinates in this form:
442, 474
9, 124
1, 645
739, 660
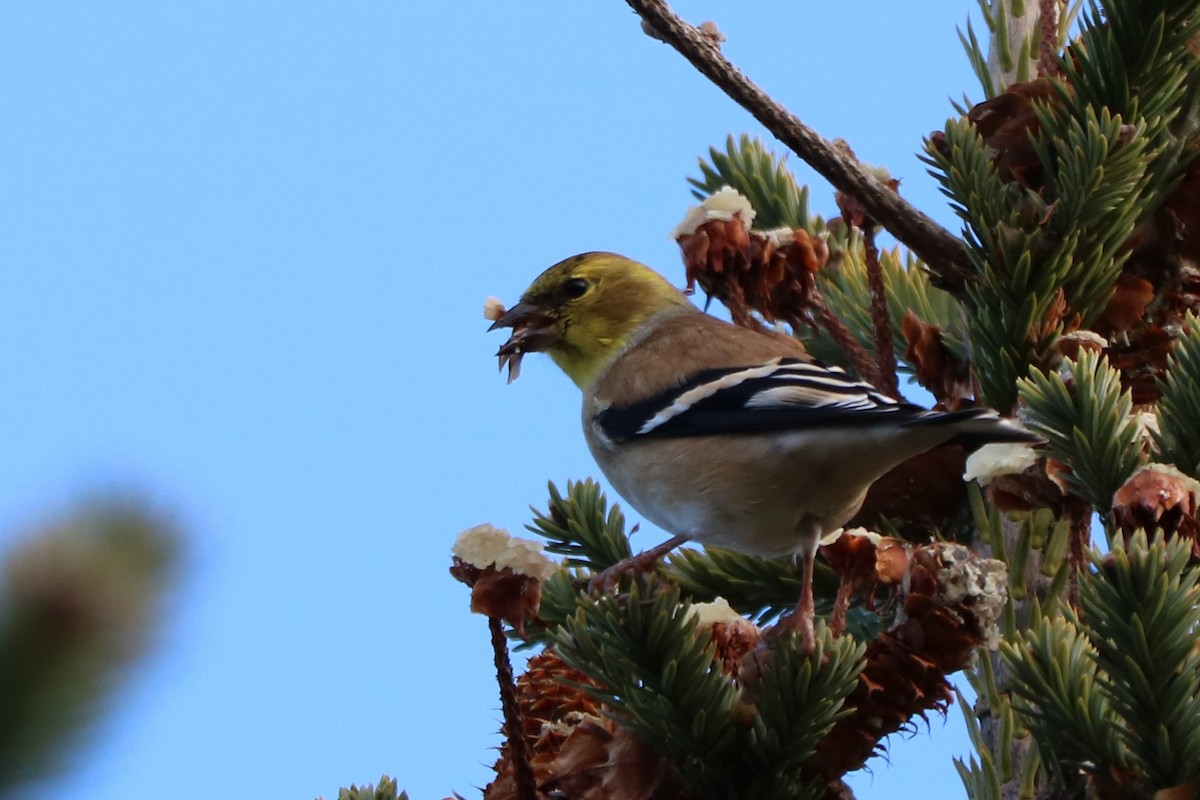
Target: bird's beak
516, 315
532, 331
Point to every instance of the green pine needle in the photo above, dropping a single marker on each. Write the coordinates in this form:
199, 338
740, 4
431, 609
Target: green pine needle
657, 673
386, 790
764, 180
979, 775
1178, 437
1115, 688
1111, 147
561, 596
1004, 234
1099, 169
660, 679
844, 286
581, 527
1056, 689
761, 588
977, 56
799, 700
1087, 426
1143, 611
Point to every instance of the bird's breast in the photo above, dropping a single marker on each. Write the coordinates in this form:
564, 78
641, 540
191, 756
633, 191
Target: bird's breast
738, 492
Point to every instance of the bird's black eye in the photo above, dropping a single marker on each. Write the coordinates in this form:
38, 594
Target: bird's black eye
576, 287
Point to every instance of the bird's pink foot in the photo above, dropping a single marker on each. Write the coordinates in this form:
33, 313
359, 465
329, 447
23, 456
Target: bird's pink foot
644, 561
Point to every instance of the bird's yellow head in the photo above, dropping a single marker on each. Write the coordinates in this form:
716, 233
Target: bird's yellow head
583, 311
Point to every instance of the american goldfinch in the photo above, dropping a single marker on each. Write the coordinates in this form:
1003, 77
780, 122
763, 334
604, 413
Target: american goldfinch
717, 433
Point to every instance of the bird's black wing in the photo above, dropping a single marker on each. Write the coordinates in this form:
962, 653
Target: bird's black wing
782, 394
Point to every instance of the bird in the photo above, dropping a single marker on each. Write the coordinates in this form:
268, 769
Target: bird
717, 433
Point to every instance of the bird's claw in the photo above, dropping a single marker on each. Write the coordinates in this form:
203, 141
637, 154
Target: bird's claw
645, 561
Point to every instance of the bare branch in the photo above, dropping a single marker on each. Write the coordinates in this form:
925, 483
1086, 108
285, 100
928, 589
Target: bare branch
881, 320
514, 728
942, 252
866, 367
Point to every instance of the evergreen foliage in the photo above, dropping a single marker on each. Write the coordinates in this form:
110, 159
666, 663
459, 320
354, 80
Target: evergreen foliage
659, 675
386, 790
1054, 670
1015, 60
763, 177
1142, 608
771, 188
1110, 147
1178, 435
843, 284
580, 527
1087, 425
1115, 688
761, 588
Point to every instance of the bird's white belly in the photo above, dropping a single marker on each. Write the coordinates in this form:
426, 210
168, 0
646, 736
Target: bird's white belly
732, 502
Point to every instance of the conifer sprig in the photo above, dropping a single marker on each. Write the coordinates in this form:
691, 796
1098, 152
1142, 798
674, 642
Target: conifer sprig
581, 527
746, 165
1087, 426
1178, 435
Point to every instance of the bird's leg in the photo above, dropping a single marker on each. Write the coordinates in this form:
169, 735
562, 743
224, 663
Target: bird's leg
801, 620
644, 561
806, 608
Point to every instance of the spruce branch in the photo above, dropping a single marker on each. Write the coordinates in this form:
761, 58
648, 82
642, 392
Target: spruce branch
655, 670
799, 701
1178, 436
1034, 547
1142, 608
762, 588
560, 597
1114, 691
1059, 693
1005, 240
1097, 166
778, 200
1046, 260
386, 790
1084, 160
581, 527
980, 776
1129, 60
844, 287
978, 60
1025, 38
1012, 52
941, 251
1087, 426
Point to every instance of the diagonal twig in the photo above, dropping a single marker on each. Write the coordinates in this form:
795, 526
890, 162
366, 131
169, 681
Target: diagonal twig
866, 367
942, 252
881, 320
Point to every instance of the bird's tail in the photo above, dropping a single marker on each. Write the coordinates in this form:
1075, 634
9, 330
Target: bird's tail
975, 427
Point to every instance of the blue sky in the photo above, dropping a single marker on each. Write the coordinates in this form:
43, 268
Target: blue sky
243, 252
